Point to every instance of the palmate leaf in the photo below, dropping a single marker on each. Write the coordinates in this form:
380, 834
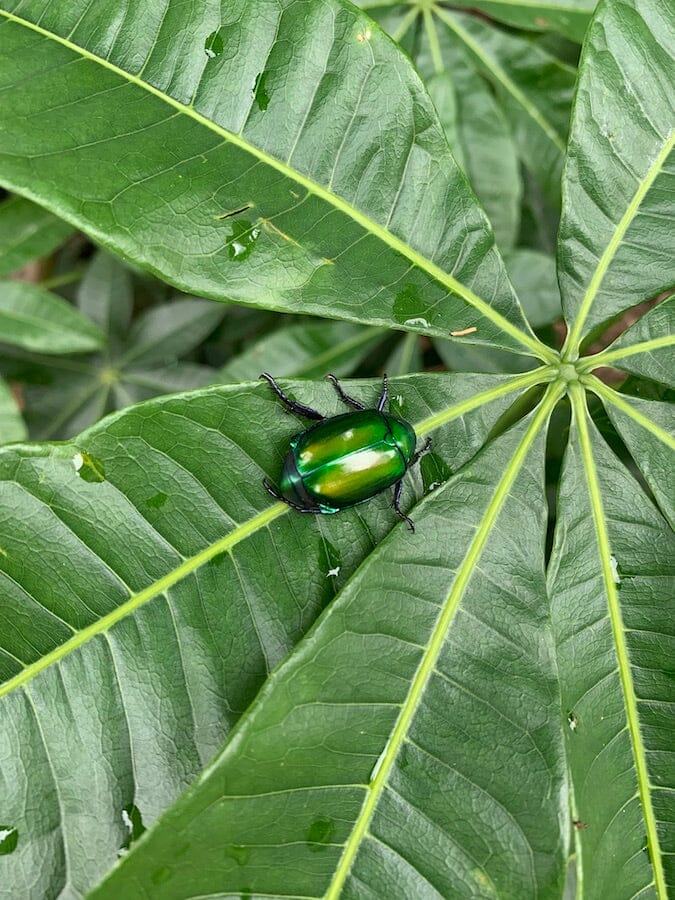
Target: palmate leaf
233, 161
161, 589
65, 394
411, 743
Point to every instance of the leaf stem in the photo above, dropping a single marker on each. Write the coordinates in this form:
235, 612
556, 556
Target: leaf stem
580, 413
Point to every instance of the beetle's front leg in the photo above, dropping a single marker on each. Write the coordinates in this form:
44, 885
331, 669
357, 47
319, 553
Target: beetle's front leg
399, 512
297, 408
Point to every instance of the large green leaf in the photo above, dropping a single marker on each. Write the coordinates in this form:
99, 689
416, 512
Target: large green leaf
477, 130
380, 757
162, 587
26, 232
615, 245
340, 197
611, 605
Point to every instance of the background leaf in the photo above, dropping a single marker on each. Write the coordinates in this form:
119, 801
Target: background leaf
308, 350
26, 232
12, 427
33, 318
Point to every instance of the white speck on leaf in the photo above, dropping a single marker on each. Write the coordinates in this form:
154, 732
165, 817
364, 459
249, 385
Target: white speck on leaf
78, 461
418, 321
615, 570
378, 762
333, 573
126, 818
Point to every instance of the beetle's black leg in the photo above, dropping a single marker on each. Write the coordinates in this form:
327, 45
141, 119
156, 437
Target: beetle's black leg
350, 401
297, 408
269, 487
397, 508
425, 449
383, 395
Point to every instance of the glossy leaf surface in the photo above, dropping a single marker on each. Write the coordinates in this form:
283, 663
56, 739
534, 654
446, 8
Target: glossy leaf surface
611, 605
328, 764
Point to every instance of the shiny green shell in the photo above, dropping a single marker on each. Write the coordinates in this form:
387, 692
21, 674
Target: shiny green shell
346, 459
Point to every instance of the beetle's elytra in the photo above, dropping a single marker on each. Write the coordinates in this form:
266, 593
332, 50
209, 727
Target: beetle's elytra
345, 460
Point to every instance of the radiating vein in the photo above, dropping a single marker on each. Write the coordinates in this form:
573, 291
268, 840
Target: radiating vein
616, 400
578, 402
137, 600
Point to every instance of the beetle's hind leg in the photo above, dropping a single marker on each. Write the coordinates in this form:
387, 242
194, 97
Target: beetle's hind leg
350, 401
421, 452
297, 408
397, 509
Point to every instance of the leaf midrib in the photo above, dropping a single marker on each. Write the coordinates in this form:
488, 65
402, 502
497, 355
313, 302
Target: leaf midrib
578, 402
529, 341
435, 646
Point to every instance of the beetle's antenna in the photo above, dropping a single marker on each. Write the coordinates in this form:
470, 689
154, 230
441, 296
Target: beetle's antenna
383, 395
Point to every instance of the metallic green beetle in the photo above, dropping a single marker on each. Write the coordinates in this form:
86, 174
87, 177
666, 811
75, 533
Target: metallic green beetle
347, 459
